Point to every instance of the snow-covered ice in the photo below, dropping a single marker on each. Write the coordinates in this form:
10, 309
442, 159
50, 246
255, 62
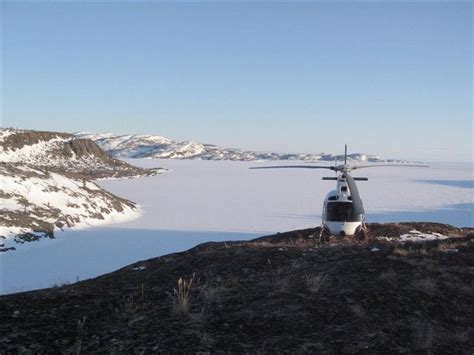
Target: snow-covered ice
201, 201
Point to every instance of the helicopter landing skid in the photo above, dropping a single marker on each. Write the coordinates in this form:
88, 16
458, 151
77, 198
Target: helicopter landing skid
324, 233
361, 231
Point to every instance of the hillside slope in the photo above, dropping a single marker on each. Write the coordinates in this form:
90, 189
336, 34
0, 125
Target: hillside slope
35, 202
277, 294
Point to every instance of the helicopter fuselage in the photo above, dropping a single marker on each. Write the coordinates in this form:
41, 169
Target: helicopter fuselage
338, 212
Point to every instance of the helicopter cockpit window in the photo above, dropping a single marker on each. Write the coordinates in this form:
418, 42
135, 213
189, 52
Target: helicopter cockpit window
340, 212
344, 188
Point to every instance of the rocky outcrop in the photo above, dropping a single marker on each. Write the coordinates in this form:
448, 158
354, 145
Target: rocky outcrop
86, 147
19, 139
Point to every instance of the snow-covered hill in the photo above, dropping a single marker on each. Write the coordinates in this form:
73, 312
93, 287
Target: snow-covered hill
149, 146
35, 202
62, 152
45, 184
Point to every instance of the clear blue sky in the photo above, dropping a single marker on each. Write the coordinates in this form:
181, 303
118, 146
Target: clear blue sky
387, 78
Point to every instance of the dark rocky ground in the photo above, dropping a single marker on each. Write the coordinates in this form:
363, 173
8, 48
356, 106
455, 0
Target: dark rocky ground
278, 294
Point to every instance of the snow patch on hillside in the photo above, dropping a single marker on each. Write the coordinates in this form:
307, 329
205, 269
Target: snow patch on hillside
4, 133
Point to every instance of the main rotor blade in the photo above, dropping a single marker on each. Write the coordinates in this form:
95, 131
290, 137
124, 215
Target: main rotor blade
293, 167
356, 200
345, 154
383, 165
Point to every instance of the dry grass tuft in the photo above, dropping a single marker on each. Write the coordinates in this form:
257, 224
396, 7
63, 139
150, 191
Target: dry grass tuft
76, 348
128, 305
461, 336
423, 250
426, 285
451, 246
358, 310
402, 250
281, 279
181, 298
423, 335
211, 293
315, 282
389, 276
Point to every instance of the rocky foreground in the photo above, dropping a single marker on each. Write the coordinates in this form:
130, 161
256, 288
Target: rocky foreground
285, 293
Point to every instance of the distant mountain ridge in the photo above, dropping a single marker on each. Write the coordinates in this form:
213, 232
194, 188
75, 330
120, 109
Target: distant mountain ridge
157, 147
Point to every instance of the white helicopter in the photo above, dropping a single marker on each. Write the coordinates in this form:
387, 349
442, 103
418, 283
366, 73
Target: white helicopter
343, 210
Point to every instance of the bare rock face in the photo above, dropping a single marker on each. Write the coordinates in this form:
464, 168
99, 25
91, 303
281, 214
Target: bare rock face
86, 147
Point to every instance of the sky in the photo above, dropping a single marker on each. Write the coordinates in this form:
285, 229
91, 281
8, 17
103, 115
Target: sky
393, 79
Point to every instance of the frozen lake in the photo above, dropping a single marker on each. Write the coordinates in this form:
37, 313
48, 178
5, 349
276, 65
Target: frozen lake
227, 196
201, 201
